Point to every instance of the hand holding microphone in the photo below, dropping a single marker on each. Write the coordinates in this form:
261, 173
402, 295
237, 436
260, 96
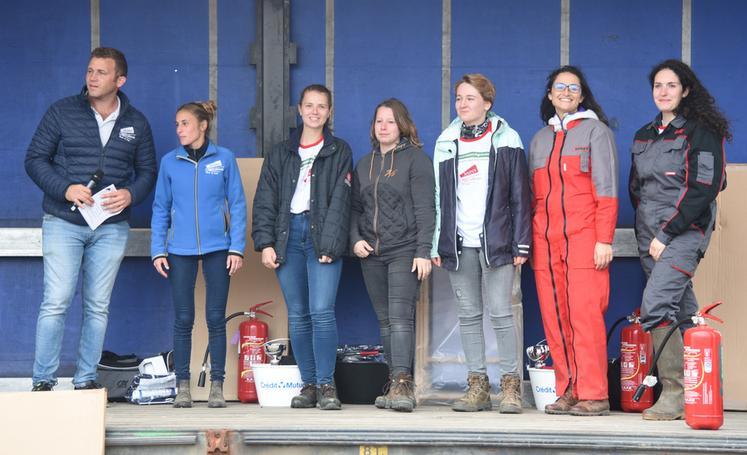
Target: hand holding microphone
79, 194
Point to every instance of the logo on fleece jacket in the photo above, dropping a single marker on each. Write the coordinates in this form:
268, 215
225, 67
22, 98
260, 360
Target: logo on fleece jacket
214, 168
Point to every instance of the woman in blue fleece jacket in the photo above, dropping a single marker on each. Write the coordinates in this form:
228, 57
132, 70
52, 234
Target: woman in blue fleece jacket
199, 214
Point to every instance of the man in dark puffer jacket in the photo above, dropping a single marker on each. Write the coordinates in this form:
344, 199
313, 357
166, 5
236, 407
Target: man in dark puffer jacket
97, 130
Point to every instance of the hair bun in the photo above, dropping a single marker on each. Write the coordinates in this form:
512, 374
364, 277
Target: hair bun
210, 107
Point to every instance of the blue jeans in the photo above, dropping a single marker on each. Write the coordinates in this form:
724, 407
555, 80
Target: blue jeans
310, 290
475, 286
182, 277
69, 249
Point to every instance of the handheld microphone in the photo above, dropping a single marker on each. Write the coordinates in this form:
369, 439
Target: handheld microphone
95, 179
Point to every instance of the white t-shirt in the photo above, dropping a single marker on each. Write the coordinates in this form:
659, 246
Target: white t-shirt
106, 125
472, 188
302, 196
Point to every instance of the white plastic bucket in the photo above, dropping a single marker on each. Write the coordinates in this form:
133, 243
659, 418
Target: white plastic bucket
543, 386
276, 384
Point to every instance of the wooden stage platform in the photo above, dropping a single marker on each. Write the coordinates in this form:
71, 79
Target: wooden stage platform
363, 429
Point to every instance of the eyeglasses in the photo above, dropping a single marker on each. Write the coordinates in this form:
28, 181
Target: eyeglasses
560, 87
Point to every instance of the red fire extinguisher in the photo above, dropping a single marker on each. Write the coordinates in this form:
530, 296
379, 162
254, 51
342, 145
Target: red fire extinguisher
252, 337
704, 405
636, 353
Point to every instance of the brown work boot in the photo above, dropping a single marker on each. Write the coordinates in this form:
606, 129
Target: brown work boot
511, 390
326, 396
591, 408
477, 397
305, 399
671, 402
402, 393
563, 404
384, 401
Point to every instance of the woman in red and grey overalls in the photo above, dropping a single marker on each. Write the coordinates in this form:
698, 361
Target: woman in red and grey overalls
573, 170
678, 169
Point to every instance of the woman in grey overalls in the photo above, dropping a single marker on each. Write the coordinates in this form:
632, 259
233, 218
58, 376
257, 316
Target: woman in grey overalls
678, 169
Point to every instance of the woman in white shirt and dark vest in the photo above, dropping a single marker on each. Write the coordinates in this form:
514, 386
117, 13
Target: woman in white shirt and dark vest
300, 224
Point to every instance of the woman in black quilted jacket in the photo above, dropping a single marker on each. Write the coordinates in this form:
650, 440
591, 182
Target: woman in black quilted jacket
391, 229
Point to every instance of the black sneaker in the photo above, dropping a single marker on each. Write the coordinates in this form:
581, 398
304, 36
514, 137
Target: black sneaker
42, 386
89, 385
327, 398
307, 397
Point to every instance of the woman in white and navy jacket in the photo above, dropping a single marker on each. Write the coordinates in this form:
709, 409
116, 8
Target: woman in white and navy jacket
482, 233
199, 214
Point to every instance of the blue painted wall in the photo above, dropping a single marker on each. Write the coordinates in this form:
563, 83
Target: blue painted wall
383, 48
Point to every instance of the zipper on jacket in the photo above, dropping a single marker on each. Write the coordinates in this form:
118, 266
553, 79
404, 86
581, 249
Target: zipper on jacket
549, 250
487, 197
567, 247
456, 183
377, 242
197, 210
103, 146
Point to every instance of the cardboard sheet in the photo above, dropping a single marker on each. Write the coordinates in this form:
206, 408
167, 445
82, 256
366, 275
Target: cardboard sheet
722, 275
60, 422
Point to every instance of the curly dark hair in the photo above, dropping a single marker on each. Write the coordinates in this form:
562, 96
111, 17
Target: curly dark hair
547, 110
698, 105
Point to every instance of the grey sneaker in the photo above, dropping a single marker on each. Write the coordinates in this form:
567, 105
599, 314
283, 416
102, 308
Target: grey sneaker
327, 398
305, 399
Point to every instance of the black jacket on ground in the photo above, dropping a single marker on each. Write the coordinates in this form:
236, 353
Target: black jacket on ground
393, 208
330, 196
66, 149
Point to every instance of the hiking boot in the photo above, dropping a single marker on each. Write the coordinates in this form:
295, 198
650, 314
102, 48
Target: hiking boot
511, 390
403, 393
477, 397
384, 401
327, 398
591, 408
215, 399
183, 398
563, 404
671, 402
42, 386
89, 385
305, 399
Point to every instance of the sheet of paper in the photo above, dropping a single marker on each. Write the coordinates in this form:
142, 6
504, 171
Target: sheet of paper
96, 213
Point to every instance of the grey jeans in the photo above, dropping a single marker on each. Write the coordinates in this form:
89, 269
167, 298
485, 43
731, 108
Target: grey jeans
393, 289
475, 286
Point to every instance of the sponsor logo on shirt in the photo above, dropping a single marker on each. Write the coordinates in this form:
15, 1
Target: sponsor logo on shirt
214, 168
472, 170
127, 133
